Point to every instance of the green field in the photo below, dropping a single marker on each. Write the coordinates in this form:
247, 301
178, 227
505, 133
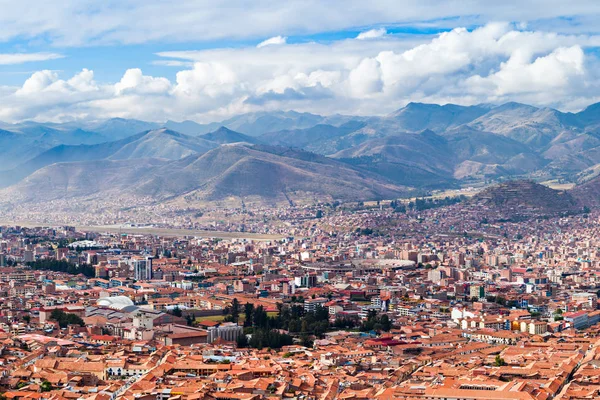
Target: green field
220, 318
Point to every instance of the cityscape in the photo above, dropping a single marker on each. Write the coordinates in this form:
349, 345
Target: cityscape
300, 200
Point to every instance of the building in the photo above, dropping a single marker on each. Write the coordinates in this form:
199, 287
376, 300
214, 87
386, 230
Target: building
142, 268
228, 331
477, 291
578, 320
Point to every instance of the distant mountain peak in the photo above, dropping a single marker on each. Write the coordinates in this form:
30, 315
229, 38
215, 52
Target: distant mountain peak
224, 135
513, 105
224, 129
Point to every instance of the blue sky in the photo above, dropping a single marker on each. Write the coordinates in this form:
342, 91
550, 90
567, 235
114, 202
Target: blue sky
87, 59
110, 61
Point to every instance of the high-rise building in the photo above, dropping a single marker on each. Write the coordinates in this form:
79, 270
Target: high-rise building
28, 256
142, 268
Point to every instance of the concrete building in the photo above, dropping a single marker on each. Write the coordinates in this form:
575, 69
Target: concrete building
227, 331
142, 268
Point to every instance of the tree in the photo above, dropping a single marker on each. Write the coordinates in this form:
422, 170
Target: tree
65, 319
63, 266
177, 312
235, 310
46, 386
270, 338
242, 341
376, 323
259, 317
306, 341
385, 322
499, 361
190, 320
248, 312
319, 214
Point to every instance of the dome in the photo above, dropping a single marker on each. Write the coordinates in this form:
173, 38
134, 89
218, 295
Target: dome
116, 303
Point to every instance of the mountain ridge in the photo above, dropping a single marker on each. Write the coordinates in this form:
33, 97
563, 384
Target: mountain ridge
419, 146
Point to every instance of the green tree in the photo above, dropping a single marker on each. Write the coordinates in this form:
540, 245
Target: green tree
499, 361
242, 341
259, 317
235, 310
386, 324
46, 386
177, 312
65, 319
248, 313
189, 319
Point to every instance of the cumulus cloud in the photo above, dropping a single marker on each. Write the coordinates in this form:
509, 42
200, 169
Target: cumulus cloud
135, 81
494, 63
275, 40
365, 79
372, 34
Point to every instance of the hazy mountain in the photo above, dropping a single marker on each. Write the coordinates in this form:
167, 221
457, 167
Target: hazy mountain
526, 124
227, 136
588, 193
25, 141
570, 165
163, 143
85, 179
321, 138
62, 154
119, 128
420, 145
410, 159
186, 127
256, 124
418, 116
230, 170
590, 116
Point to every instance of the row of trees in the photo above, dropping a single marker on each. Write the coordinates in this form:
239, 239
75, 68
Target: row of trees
294, 319
425, 204
264, 329
65, 319
376, 323
262, 338
63, 266
190, 319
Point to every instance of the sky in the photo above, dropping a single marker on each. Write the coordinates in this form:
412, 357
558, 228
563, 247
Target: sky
210, 60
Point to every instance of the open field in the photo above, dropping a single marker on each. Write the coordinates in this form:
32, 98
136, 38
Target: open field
220, 318
554, 184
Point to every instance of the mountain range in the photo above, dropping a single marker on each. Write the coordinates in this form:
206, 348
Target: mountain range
289, 156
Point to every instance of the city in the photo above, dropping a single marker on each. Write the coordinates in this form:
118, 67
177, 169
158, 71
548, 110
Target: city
300, 200
349, 313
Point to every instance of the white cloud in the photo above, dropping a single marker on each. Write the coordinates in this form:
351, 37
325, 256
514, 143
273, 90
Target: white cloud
85, 22
38, 81
365, 79
20, 58
135, 82
555, 72
372, 34
494, 63
275, 40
